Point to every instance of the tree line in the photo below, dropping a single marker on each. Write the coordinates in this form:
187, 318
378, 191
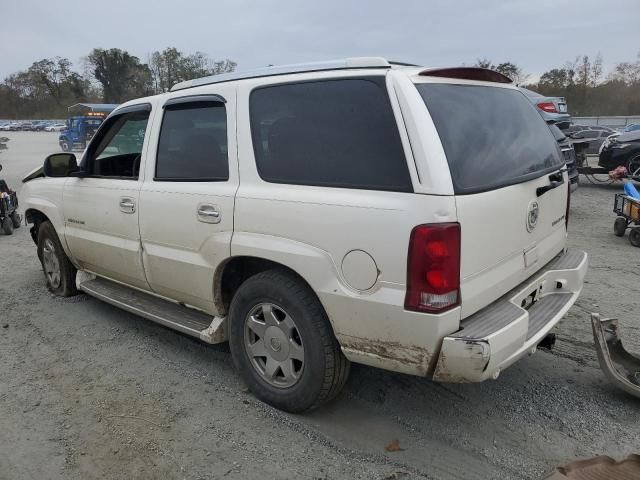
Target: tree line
49, 86
583, 83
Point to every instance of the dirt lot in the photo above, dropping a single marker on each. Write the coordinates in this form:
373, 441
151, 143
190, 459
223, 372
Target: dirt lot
89, 391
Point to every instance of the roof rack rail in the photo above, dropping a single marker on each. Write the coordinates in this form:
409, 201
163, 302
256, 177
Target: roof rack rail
344, 64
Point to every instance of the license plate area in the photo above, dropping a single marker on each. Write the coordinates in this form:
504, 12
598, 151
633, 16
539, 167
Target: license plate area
562, 108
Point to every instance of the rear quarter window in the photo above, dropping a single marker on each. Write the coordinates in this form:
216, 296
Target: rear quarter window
492, 137
331, 133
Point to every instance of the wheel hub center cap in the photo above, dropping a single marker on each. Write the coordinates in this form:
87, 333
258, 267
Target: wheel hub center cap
276, 344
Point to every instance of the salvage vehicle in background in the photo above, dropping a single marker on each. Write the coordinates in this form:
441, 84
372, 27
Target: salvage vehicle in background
219, 210
622, 150
552, 109
594, 138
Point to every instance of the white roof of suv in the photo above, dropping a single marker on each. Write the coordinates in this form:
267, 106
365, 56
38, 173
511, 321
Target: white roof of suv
344, 64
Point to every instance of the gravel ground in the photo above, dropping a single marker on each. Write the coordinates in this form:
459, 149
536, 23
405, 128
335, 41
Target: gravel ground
89, 391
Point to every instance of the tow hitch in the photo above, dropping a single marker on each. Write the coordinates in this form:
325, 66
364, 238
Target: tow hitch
620, 367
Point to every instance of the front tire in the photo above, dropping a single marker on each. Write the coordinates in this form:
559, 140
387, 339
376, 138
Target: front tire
634, 237
7, 226
633, 167
620, 226
65, 146
59, 273
282, 343
16, 219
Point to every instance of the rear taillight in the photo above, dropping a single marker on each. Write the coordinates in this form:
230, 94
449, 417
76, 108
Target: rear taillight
433, 268
547, 107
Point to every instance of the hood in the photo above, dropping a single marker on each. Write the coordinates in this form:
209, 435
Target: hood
35, 173
628, 137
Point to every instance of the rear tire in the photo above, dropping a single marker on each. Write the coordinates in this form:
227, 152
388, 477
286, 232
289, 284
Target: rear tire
634, 237
282, 343
7, 226
620, 226
59, 273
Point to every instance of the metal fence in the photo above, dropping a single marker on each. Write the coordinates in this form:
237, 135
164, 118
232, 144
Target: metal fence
614, 121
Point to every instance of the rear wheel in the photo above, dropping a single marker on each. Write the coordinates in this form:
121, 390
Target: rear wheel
7, 226
59, 273
634, 237
620, 226
282, 343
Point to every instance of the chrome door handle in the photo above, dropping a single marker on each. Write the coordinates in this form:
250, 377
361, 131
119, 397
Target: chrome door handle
208, 214
127, 205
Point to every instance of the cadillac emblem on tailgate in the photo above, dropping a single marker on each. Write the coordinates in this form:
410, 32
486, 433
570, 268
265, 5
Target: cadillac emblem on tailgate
532, 215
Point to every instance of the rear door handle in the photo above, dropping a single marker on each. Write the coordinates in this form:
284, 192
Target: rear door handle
208, 214
127, 205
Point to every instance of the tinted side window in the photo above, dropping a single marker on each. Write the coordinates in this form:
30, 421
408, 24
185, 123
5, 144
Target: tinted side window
333, 133
193, 143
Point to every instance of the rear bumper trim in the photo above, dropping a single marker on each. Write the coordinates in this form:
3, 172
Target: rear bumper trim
495, 337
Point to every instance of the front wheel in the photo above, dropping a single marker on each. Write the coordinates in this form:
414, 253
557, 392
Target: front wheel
65, 146
620, 226
634, 237
7, 226
282, 343
16, 219
59, 273
633, 167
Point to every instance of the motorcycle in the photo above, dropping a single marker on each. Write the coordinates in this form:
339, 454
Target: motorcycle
9, 216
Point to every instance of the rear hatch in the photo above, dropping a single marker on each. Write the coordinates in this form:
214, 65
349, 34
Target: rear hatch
510, 184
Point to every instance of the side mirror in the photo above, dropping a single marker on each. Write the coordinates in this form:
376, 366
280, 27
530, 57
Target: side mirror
60, 165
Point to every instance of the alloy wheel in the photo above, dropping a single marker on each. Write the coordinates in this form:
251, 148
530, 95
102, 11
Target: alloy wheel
274, 345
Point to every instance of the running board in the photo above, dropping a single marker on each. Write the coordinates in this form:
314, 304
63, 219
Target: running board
183, 319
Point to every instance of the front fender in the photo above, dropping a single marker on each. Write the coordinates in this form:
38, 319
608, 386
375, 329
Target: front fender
45, 196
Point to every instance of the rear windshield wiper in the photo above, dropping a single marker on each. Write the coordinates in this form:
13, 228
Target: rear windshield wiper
556, 180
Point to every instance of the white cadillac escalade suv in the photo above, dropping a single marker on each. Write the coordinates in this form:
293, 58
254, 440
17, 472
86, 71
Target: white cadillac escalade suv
315, 215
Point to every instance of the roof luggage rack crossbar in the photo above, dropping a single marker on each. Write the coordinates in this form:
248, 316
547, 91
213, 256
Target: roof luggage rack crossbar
344, 64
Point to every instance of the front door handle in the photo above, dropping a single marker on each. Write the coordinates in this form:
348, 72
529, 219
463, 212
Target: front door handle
127, 205
208, 214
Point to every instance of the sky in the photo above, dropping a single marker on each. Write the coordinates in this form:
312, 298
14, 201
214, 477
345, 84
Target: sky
535, 34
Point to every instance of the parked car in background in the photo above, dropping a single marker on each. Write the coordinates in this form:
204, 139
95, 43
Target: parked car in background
10, 127
40, 126
622, 150
552, 109
449, 265
55, 127
595, 138
25, 127
568, 154
632, 127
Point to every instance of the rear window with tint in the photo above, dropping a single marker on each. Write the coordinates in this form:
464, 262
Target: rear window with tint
493, 137
331, 133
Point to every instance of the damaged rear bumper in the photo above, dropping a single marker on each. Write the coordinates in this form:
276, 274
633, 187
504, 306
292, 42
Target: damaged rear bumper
620, 367
497, 336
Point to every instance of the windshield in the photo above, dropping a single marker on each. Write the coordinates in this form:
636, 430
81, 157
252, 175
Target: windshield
493, 137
